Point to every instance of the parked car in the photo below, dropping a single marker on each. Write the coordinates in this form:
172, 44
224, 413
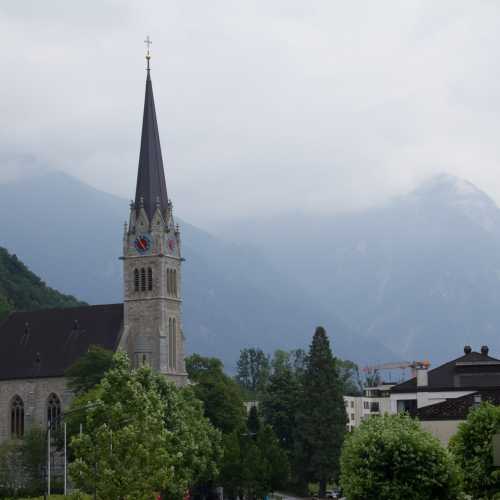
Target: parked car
334, 494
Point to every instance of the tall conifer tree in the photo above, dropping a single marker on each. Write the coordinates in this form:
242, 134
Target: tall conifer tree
321, 419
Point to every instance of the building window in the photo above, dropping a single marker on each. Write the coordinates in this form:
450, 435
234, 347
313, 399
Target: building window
375, 406
143, 280
352, 404
366, 405
172, 341
136, 280
150, 278
352, 417
174, 282
168, 282
53, 411
17, 417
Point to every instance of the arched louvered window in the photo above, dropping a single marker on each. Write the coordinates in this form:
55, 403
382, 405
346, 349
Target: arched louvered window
150, 278
17, 417
53, 411
174, 282
168, 282
143, 280
136, 280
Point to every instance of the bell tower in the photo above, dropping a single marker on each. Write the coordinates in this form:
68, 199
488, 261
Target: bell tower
152, 262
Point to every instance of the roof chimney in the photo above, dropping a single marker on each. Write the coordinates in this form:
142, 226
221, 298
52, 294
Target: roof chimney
484, 350
467, 349
422, 375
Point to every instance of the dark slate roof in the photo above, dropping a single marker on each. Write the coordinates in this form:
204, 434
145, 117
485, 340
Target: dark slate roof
45, 343
457, 408
151, 184
472, 370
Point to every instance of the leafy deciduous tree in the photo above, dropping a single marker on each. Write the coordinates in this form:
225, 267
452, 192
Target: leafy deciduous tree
142, 435
253, 370
472, 448
219, 393
89, 369
391, 457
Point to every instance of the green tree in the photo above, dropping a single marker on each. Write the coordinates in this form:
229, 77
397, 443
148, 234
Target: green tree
142, 435
350, 377
281, 397
5, 308
472, 449
253, 370
89, 369
321, 417
219, 393
264, 463
391, 457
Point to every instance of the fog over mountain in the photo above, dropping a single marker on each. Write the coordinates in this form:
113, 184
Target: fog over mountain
71, 235
420, 274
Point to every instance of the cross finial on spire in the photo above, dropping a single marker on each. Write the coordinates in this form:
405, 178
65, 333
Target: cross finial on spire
148, 43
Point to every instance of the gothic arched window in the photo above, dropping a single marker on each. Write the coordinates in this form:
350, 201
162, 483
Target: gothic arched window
17, 417
174, 343
150, 278
53, 411
170, 346
168, 282
136, 280
143, 280
174, 282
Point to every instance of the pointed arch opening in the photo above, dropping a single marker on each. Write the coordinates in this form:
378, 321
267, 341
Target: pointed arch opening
17, 417
53, 411
143, 280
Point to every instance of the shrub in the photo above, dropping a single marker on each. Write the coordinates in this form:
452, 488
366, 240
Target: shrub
391, 457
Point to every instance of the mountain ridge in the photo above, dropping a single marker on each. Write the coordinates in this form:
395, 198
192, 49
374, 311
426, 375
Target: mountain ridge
71, 235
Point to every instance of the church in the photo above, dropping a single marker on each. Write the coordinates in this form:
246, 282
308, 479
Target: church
38, 347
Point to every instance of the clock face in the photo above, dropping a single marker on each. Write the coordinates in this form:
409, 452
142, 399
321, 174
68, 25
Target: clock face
171, 244
142, 243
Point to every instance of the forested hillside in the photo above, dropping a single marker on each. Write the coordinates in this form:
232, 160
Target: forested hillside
20, 289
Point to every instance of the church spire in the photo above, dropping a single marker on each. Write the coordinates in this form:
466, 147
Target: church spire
151, 190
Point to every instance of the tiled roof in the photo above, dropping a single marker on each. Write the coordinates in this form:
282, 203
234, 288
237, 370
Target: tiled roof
444, 377
45, 343
457, 408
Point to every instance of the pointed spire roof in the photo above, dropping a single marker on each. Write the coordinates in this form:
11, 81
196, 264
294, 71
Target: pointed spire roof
151, 187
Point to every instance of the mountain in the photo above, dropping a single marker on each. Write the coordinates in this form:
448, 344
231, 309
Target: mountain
71, 235
22, 290
421, 273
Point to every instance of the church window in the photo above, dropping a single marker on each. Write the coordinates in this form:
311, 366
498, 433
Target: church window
150, 278
174, 344
17, 417
143, 280
172, 341
53, 411
174, 282
136, 280
170, 345
168, 282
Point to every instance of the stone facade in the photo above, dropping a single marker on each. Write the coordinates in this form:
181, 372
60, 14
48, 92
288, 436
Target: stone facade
152, 289
35, 394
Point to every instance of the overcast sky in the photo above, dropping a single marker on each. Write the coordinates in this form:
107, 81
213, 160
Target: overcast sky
263, 106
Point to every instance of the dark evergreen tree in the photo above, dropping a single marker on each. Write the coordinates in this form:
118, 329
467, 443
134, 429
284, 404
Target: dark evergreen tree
281, 398
321, 417
253, 421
